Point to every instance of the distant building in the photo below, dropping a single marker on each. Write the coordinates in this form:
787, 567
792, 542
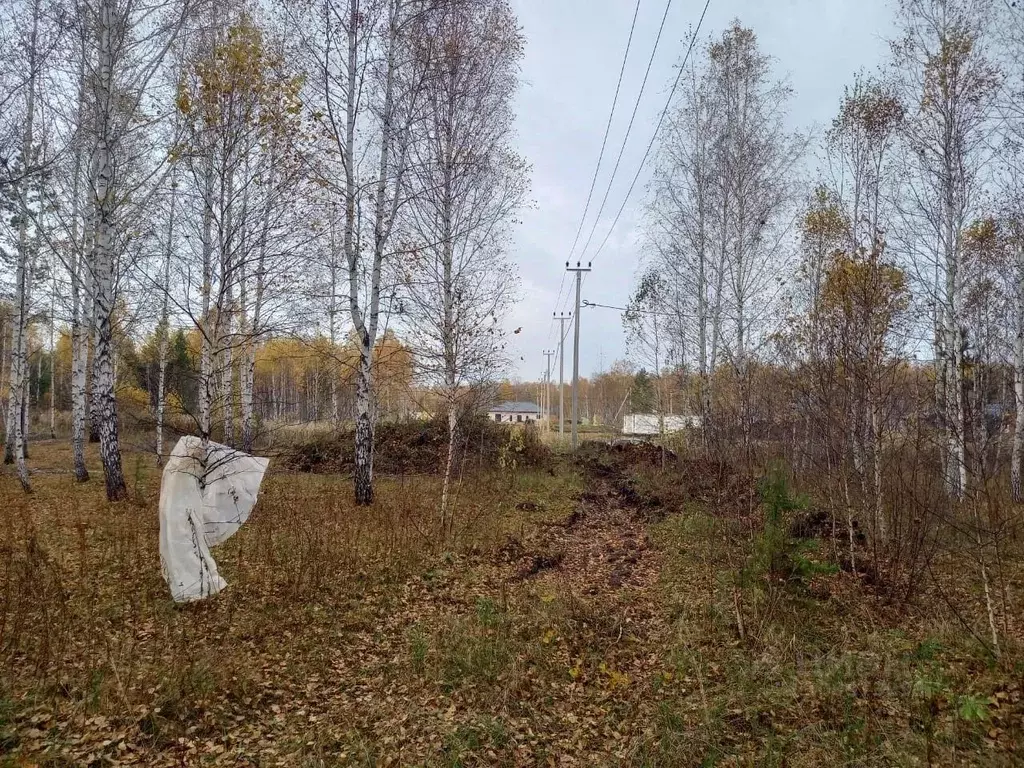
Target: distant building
650, 423
514, 412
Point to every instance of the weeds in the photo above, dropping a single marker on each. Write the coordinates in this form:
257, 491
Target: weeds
348, 636
804, 688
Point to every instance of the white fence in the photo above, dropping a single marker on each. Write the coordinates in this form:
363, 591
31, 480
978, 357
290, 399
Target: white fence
650, 423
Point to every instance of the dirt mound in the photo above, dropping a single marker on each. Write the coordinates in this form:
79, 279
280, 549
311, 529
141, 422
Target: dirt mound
417, 448
634, 469
621, 455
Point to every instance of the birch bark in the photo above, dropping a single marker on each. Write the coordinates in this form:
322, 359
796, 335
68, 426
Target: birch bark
109, 33
17, 383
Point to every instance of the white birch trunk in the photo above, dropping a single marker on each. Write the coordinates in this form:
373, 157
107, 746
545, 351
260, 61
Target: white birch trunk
447, 521
226, 310
53, 357
333, 326
80, 243
364, 427
103, 250
1018, 427
247, 371
81, 281
205, 326
4, 360
164, 328
17, 384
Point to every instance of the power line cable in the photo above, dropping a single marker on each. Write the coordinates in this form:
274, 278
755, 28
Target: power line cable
657, 130
629, 128
600, 159
607, 130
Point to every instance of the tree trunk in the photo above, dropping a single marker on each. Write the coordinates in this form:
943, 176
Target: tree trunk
17, 384
253, 328
364, 427
247, 374
332, 314
446, 519
79, 366
226, 327
80, 301
882, 528
80, 243
15, 448
13, 405
1018, 429
93, 373
103, 255
53, 380
164, 328
205, 329
25, 410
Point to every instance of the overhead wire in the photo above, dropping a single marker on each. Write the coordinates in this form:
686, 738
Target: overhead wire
650, 144
657, 131
551, 327
629, 128
608, 126
600, 156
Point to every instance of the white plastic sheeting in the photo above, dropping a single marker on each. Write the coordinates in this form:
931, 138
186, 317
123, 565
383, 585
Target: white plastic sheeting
203, 501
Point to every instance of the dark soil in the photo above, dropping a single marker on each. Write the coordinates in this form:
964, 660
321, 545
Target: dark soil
403, 448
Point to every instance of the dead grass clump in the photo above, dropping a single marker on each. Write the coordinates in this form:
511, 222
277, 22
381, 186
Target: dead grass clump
100, 665
820, 672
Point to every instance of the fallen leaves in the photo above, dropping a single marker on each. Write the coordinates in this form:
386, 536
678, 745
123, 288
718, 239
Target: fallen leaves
349, 636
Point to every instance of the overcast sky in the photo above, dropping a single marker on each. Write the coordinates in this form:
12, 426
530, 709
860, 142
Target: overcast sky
573, 53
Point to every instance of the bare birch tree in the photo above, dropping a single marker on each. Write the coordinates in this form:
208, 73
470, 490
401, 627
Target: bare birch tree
364, 74
129, 40
725, 193
240, 107
682, 216
465, 185
948, 81
18, 371
859, 148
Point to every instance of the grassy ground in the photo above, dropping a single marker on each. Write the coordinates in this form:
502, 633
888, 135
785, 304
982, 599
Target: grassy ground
568, 620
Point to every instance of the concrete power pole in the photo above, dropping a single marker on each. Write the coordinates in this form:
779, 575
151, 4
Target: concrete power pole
562, 320
547, 391
579, 270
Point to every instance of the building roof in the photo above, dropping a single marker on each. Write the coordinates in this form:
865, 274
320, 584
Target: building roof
510, 406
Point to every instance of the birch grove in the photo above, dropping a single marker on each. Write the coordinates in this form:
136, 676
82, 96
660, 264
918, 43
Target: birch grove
876, 292
202, 162
945, 67
723, 206
229, 219
15, 448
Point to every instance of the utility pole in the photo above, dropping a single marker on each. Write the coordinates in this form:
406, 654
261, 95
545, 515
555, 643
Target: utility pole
562, 320
547, 390
579, 270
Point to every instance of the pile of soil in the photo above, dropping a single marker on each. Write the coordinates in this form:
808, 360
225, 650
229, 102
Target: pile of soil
419, 447
635, 470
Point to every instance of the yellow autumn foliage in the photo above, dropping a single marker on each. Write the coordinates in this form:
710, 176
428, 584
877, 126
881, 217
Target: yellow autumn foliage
132, 399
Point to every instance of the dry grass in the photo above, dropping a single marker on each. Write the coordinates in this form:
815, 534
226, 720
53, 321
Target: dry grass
554, 627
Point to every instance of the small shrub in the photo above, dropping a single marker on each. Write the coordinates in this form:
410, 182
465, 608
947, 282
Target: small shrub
418, 649
487, 613
778, 554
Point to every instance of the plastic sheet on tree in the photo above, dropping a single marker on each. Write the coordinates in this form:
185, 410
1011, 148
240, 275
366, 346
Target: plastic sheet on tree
206, 494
